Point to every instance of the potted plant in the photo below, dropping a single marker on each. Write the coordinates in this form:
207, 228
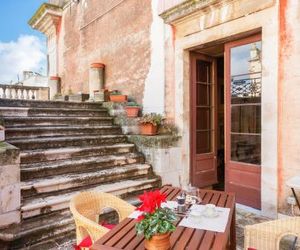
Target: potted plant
116, 96
132, 109
149, 123
155, 223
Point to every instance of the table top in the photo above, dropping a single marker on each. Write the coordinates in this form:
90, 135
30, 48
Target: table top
123, 236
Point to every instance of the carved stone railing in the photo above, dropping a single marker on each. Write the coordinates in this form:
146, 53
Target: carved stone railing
23, 92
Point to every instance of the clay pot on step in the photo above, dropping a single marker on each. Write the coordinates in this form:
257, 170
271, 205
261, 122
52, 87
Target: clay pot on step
158, 242
132, 111
118, 98
148, 129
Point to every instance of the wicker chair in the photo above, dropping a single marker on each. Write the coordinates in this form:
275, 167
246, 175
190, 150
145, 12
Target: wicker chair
86, 208
267, 235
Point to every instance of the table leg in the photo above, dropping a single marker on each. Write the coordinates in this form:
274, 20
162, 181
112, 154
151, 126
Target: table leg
233, 232
294, 244
296, 198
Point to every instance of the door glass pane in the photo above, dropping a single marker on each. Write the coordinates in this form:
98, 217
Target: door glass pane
245, 77
203, 118
203, 107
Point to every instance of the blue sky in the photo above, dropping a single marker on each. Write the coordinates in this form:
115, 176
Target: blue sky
21, 47
14, 17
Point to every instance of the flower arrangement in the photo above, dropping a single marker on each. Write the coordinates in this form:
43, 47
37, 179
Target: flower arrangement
155, 220
153, 118
149, 123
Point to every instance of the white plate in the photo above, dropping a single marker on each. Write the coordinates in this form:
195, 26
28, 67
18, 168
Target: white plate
214, 215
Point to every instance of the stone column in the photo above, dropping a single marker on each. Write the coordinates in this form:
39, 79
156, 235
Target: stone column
10, 186
96, 82
54, 86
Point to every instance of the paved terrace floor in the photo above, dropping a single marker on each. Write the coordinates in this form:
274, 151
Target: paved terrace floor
242, 218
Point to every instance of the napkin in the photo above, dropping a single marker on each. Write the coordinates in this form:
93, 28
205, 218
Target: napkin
216, 224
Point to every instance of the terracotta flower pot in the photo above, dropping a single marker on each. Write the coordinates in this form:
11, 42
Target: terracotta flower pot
158, 242
132, 111
148, 129
118, 98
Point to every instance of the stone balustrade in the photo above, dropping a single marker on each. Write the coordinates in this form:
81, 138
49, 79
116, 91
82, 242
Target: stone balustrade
23, 92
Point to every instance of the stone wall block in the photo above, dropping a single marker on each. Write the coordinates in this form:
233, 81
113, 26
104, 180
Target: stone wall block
9, 174
10, 185
10, 198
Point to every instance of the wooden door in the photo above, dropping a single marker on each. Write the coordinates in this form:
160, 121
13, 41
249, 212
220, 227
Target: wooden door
243, 120
203, 121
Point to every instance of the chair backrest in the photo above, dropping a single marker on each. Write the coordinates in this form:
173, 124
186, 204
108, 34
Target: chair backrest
86, 208
267, 235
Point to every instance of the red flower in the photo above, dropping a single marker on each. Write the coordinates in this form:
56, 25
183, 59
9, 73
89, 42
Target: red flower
151, 201
141, 217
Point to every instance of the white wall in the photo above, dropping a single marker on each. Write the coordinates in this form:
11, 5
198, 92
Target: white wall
154, 92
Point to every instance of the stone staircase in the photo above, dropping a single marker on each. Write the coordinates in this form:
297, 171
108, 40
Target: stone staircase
66, 148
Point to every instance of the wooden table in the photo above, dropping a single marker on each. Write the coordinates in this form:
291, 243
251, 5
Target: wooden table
123, 236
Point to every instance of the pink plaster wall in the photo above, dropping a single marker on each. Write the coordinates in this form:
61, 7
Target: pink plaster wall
288, 97
119, 38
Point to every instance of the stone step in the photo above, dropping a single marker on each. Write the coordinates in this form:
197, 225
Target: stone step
40, 232
36, 230
53, 112
37, 206
73, 181
34, 132
12, 122
34, 156
48, 104
57, 142
77, 165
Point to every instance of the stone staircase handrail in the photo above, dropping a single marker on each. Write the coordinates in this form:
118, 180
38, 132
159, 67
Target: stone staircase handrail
9, 91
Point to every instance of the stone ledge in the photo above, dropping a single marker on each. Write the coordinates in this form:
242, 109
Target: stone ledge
156, 141
185, 8
9, 154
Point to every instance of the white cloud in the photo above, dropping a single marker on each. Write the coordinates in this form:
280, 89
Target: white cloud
26, 53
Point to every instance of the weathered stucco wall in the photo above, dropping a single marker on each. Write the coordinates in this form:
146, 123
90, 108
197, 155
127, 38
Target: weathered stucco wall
119, 37
223, 21
288, 95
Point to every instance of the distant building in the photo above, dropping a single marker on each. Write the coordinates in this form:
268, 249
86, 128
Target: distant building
31, 78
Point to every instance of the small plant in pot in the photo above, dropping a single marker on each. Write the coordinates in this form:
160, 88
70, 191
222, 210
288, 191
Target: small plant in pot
116, 96
149, 123
132, 109
156, 222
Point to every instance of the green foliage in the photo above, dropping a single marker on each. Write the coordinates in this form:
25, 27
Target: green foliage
168, 129
115, 92
160, 222
153, 118
132, 104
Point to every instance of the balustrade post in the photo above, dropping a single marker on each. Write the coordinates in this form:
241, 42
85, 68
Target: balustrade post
4, 92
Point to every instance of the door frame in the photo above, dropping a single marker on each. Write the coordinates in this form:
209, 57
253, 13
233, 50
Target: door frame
193, 57
247, 167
